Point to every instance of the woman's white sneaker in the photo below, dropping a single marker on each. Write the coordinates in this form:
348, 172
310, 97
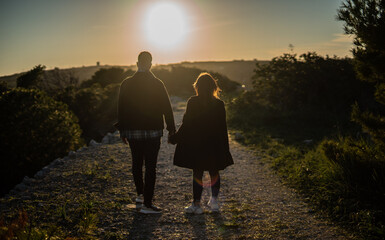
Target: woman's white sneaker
194, 209
139, 198
213, 204
150, 210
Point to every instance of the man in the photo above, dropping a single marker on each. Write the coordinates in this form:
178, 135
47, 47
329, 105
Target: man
143, 101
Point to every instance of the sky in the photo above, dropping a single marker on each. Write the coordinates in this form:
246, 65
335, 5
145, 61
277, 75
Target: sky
74, 33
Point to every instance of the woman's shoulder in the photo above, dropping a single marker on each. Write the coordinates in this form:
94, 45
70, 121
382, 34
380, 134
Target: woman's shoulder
219, 102
192, 99
196, 100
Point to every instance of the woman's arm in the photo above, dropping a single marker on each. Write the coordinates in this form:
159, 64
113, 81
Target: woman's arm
224, 126
186, 122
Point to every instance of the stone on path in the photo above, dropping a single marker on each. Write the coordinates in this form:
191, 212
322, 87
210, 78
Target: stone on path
93, 143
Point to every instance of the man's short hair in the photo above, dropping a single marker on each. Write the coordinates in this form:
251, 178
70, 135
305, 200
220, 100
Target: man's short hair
144, 57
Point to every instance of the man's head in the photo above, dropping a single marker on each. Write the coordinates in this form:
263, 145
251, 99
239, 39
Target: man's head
144, 61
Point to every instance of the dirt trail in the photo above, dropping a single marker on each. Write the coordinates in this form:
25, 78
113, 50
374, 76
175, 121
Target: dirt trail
254, 203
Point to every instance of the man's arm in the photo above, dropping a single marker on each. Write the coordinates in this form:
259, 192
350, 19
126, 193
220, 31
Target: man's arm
186, 123
120, 114
167, 111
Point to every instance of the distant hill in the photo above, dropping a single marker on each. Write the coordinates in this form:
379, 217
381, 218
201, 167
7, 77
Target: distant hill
238, 70
83, 73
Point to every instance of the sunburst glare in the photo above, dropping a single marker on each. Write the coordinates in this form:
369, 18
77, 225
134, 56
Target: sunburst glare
165, 25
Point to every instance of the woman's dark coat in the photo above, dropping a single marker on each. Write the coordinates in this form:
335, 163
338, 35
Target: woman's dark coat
202, 140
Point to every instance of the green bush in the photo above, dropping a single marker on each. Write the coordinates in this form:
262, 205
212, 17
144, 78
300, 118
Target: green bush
96, 108
32, 78
306, 97
106, 76
34, 130
362, 169
343, 177
3, 86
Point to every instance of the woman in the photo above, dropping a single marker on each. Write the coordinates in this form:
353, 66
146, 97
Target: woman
202, 140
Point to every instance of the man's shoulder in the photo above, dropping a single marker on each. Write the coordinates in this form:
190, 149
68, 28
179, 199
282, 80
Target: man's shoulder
146, 76
126, 80
141, 77
157, 80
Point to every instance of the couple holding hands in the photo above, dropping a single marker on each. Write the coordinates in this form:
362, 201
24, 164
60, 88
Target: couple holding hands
202, 140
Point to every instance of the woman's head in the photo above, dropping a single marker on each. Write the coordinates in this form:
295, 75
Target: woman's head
206, 86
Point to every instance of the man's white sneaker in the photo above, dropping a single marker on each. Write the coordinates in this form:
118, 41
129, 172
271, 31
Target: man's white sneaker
194, 209
213, 204
139, 198
150, 210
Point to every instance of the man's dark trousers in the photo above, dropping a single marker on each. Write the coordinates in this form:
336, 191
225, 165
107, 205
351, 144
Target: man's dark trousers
145, 151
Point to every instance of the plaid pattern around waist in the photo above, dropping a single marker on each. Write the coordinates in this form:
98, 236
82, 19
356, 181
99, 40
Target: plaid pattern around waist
141, 134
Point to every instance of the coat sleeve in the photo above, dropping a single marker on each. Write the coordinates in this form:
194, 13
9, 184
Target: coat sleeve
167, 110
224, 126
119, 124
187, 118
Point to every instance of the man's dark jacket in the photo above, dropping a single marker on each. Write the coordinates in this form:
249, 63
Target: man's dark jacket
143, 101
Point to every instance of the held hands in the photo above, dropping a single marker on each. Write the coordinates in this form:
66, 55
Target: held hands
124, 140
171, 137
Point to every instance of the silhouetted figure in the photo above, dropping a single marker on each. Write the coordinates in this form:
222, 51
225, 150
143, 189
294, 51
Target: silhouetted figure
202, 140
143, 101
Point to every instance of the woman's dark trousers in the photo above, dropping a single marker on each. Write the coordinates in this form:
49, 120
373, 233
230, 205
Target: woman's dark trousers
198, 183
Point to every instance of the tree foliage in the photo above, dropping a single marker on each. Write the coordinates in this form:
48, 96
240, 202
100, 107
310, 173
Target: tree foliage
3, 87
307, 83
365, 19
94, 101
295, 91
94, 106
32, 78
34, 130
106, 76
56, 80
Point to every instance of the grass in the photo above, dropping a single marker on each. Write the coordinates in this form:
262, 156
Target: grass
87, 218
68, 221
24, 228
343, 178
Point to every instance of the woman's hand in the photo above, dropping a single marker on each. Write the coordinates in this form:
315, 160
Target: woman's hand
124, 140
171, 138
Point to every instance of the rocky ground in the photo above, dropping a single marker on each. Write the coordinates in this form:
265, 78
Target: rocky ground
90, 193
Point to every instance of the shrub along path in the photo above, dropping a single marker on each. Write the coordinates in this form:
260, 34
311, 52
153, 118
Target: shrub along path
90, 195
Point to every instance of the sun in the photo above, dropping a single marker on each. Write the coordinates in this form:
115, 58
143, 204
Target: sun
165, 25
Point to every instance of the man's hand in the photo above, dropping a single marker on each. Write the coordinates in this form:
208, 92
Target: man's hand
124, 140
172, 132
171, 137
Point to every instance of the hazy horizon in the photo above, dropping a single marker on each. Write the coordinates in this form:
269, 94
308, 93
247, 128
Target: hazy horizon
72, 33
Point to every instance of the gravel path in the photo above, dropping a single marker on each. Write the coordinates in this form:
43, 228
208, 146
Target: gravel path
90, 195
